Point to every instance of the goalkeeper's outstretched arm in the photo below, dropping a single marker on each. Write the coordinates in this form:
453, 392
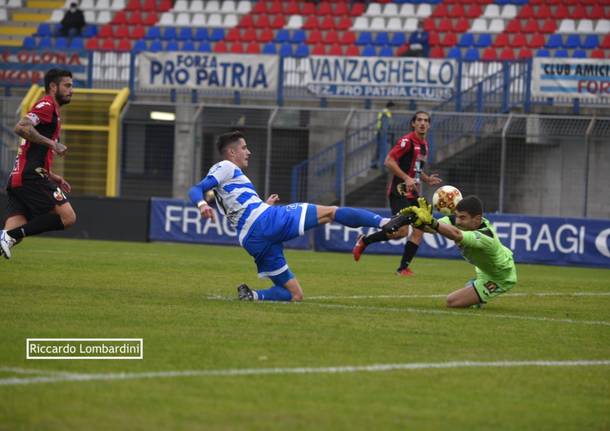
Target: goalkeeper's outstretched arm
450, 232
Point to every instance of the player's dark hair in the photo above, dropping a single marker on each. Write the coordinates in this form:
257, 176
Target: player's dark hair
415, 117
227, 139
470, 204
55, 75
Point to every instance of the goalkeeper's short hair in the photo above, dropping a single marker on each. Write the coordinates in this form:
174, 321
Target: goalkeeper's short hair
470, 204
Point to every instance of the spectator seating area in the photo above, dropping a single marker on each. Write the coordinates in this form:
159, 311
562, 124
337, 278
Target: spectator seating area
470, 29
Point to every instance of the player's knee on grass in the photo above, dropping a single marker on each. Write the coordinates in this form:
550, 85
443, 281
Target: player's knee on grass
295, 290
464, 297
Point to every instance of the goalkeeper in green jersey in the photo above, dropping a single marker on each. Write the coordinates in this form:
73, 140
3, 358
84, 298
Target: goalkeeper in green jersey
479, 244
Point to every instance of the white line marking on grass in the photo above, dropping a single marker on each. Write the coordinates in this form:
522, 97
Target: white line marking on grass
460, 313
17, 370
406, 296
298, 370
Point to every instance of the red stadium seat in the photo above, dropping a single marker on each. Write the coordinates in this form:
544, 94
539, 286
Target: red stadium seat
165, 5
278, 22
248, 35
335, 49
434, 39
324, 8
501, 40
253, 48
275, 7
352, 51
457, 11
461, 26
247, 21
578, 12
440, 11
536, 41
437, 52
527, 11
265, 35
531, 26
549, 26
149, 5
318, 49
233, 34
308, 8
107, 45
561, 12
596, 12
474, 11
134, 5
119, 18
106, 31
220, 46
315, 36
513, 26
340, 9
348, 38
543, 12
137, 32
328, 23
429, 24
518, 41
507, 54
151, 18
344, 23
122, 31
605, 42
597, 53
236, 48
292, 8
489, 54
124, 45
259, 7
261, 21
331, 37
525, 53
92, 44
450, 39
311, 22
357, 9
135, 18
445, 25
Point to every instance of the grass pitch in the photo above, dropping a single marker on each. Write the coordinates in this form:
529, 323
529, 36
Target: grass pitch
284, 366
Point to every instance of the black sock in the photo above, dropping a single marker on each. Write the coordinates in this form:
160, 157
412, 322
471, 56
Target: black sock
40, 224
408, 254
375, 237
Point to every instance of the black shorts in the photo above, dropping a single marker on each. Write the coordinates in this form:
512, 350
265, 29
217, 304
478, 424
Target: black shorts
34, 198
398, 202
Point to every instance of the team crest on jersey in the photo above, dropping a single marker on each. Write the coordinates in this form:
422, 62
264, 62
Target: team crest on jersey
43, 103
403, 143
58, 194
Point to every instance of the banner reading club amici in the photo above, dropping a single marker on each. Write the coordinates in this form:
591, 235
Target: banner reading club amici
575, 78
390, 77
211, 71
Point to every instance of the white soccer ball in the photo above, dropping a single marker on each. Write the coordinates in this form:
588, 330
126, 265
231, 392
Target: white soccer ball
445, 199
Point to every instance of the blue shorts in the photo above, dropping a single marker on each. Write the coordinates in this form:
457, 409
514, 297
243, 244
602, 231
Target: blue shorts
265, 239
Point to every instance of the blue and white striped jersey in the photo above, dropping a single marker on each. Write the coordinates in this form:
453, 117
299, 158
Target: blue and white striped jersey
236, 197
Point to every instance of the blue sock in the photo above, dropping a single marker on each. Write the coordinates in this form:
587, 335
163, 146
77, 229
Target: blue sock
357, 217
274, 293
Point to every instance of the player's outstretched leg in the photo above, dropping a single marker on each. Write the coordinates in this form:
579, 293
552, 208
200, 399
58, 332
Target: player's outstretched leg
6, 243
396, 227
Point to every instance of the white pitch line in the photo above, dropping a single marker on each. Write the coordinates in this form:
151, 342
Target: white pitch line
462, 314
67, 377
406, 296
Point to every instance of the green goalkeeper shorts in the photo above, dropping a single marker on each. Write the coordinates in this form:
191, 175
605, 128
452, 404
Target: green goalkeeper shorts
488, 288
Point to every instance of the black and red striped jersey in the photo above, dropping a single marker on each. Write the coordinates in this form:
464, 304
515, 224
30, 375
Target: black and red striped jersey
411, 153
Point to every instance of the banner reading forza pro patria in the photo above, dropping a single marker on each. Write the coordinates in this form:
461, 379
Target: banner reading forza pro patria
200, 71
415, 78
583, 79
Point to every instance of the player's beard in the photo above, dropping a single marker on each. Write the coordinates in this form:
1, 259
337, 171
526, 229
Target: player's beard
63, 100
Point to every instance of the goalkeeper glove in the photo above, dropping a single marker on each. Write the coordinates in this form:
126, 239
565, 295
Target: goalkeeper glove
423, 214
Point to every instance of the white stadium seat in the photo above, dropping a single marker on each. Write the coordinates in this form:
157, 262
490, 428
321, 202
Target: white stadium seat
102, 4
230, 20
378, 23
411, 24
198, 20
584, 26
167, 19
602, 26
424, 10
394, 24
211, 6
90, 16
215, 20
567, 26
294, 22
479, 25
3, 15
492, 11
244, 7
87, 5
196, 6
117, 5
181, 6
509, 11
390, 10
496, 25
228, 6
407, 10
373, 9
103, 17
183, 19
361, 23
57, 15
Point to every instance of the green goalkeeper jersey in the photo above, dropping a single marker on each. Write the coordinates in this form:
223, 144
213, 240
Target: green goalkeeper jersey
483, 249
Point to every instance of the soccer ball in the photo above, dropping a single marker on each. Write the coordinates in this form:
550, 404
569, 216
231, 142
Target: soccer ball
445, 199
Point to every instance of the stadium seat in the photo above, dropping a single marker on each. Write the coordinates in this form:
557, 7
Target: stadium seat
201, 34
536, 41
579, 53
543, 12
585, 26
302, 51
591, 41
28, 43
378, 23
253, 48
152, 18
105, 31
282, 36
108, 45
277, 22
369, 51
149, 5
525, 53
518, 40
407, 9
501, 40
602, 26
572, 41
496, 25
247, 35
92, 44
549, 26
466, 40
345, 23
117, 5
265, 35
472, 54
445, 25
134, 5
233, 34
441, 11
183, 19
120, 17
357, 9
484, 40
461, 25
172, 45
361, 23
185, 33
411, 24
507, 54
449, 39
473, 11
479, 25
315, 36
269, 48
341, 9
56, 16
489, 54
156, 46
509, 11
137, 32
531, 26
298, 36
310, 23
335, 49
135, 18
215, 20
220, 47
124, 45
382, 38
294, 22
386, 51
455, 53
373, 9
217, 35
292, 8
437, 52
364, 38
561, 53
398, 39
204, 46
514, 26
170, 33
121, 32
597, 53
228, 6
237, 48
394, 24
352, 51
318, 49
286, 50
44, 30
555, 41
167, 19
139, 46
104, 17
331, 37
423, 10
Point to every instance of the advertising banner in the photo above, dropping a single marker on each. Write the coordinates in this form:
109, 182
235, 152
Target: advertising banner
381, 77
208, 71
575, 78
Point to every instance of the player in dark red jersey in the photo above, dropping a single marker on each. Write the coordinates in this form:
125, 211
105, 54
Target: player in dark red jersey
37, 200
406, 163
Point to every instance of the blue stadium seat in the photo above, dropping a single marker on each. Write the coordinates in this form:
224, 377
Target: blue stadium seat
217, 34
301, 51
44, 30
364, 38
398, 39
188, 45
369, 51
153, 33
298, 36
386, 51
77, 44
61, 43
172, 45
579, 53
573, 41
269, 48
139, 46
186, 33
89, 31
286, 50
591, 41
29, 42
156, 46
45, 43
561, 53
454, 53
472, 54
282, 36
170, 33
483, 41
554, 41
201, 34
205, 46
543, 53
466, 40
382, 38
